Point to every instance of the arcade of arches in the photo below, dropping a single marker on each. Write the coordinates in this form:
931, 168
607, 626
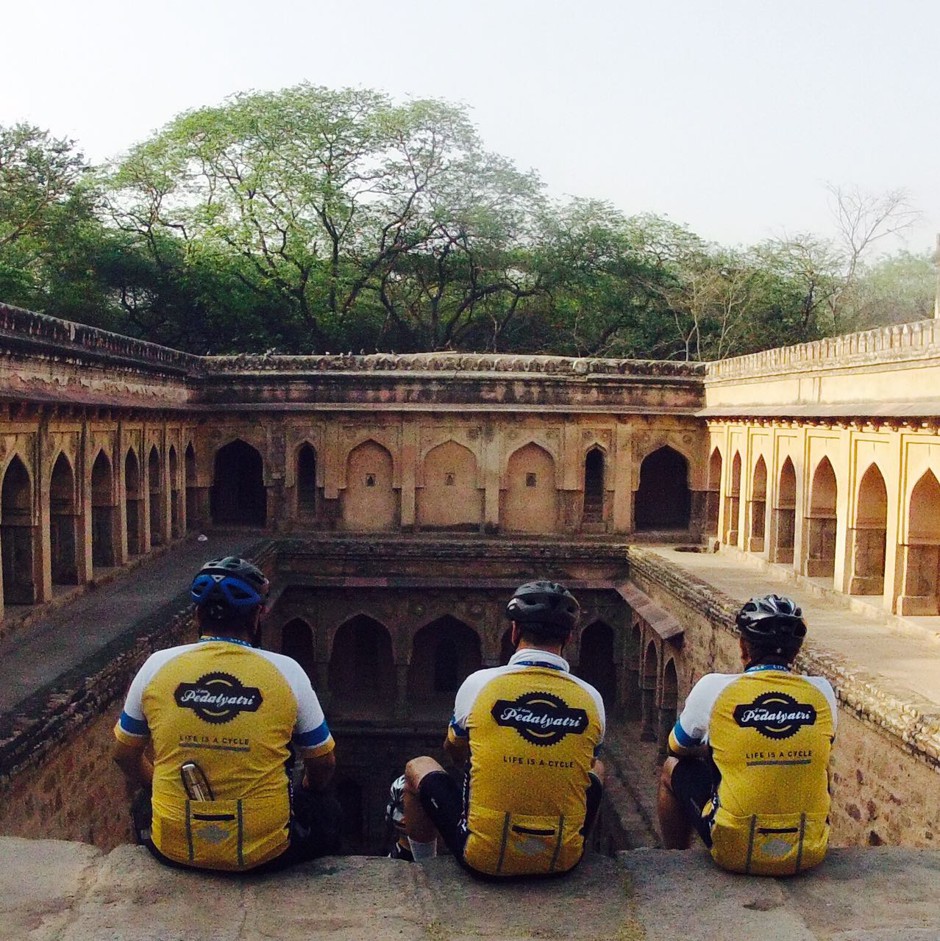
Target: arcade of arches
455, 477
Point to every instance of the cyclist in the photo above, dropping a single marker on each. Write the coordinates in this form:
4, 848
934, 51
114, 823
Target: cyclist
750, 772
530, 732
220, 718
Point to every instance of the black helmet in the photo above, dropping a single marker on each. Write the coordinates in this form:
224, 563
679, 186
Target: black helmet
544, 607
771, 619
228, 587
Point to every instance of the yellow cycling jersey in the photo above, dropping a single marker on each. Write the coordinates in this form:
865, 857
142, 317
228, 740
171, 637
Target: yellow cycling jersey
770, 733
232, 710
533, 730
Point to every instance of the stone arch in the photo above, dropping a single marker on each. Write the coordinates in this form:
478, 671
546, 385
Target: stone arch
176, 507
868, 540
297, 643
634, 678
663, 498
592, 512
921, 552
191, 489
63, 523
596, 662
668, 704
238, 495
784, 516
649, 678
733, 502
449, 497
757, 511
821, 523
17, 535
306, 481
530, 498
713, 493
506, 649
155, 487
444, 653
133, 504
102, 512
369, 501
361, 676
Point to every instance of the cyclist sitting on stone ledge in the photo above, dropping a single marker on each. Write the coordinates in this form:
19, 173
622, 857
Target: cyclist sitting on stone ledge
529, 733
221, 716
752, 754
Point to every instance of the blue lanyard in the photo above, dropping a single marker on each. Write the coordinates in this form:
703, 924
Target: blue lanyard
766, 666
539, 663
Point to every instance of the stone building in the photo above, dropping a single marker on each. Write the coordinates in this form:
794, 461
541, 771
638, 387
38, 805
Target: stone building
402, 497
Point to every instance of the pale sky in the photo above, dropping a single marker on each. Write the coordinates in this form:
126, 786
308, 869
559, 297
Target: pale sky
727, 115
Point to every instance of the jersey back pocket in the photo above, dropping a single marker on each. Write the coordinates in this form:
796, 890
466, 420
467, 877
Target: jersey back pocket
221, 834
769, 844
507, 844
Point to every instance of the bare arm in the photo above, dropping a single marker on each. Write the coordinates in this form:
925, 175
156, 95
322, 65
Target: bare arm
319, 770
134, 762
458, 750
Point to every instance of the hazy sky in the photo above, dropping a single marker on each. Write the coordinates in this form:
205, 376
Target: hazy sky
727, 115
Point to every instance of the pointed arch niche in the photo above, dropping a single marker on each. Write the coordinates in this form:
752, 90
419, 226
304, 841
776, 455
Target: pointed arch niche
362, 669
820, 543
529, 504
867, 541
733, 502
63, 523
596, 662
713, 493
192, 491
450, 498
757, 507
102, 512
17, 535
921, 552
307, 497
297, 643
784, 516
663, 499
133, 504
369, 500
592, 513
155, 489
444, 653
238, 495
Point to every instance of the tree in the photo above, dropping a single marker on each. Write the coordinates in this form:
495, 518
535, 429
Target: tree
345, 207
41, 200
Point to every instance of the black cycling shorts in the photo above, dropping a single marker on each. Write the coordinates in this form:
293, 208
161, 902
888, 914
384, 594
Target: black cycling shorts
692, 783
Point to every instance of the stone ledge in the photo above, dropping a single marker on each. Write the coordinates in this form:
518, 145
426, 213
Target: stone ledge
55, 891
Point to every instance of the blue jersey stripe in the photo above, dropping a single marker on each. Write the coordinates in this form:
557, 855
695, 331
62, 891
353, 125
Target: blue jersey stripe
133, 726
683, 737
314, 737
458, 731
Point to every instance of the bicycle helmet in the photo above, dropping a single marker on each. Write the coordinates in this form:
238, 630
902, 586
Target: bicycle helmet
545, 608
771, 619
228, 587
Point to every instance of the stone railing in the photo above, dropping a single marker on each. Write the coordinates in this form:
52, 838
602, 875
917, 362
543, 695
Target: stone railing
917, 340
40, 332
452, 363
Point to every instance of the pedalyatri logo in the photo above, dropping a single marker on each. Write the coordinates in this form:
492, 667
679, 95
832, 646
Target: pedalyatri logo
218, 697
775, 715
540, 718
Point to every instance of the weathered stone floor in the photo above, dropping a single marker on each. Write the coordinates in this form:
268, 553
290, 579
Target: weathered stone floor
55, 891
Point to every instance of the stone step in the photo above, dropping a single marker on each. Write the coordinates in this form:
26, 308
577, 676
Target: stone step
57, 891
